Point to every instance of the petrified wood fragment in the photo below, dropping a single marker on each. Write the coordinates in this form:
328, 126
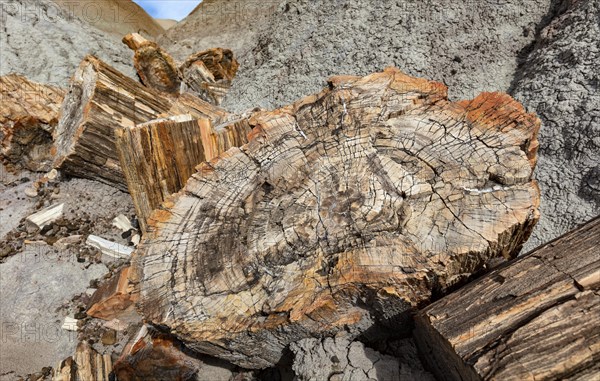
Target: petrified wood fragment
86, 364
536, 318
155, 67
208, 74
343, 211
28, 116
113, 297
158, 157
101, 99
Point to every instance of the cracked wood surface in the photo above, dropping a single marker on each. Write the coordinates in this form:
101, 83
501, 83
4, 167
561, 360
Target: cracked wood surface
343, 212
158, 157
536, 318
99, 100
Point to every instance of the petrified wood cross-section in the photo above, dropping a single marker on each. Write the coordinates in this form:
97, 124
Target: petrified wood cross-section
537, 318
344, 210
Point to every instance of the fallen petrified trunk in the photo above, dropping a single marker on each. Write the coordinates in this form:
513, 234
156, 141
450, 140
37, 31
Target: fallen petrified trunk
86, 364
158, 157
208, 74
344, 211
155, 67
28, 116
101, 99
536, 318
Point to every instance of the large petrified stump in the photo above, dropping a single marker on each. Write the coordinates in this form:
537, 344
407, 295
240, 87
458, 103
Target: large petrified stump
28, 116
343, 211
536, 318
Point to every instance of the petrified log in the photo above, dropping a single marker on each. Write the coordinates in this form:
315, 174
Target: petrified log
99, 100
28, 116
535, 318
343, 211
86, 364
159, 157
155, 67
208, 74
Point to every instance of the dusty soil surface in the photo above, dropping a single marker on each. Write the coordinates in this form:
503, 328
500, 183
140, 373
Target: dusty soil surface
46, 44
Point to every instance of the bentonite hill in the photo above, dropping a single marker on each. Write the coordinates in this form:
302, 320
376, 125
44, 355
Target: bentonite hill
300, 190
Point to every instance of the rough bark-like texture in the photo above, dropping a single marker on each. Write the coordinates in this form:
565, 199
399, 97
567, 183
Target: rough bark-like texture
338, 359
28, 116
85, 365
536, 318
156, 68
101, 99
559, 81
345, 209
208, 74
152, 356
159, 157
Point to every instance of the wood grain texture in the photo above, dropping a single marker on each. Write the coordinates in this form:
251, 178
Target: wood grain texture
85, 365
342, 212
536, 318
155, 67
159, 157
208, 74
99, 100
28, 115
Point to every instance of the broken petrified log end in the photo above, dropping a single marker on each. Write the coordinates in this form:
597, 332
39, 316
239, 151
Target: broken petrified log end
342, 212
100, 99
159, 157
543, 309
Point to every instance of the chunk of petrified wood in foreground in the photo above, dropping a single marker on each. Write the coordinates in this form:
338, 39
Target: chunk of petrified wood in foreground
86, 364
158, 157
343, 211
537, 318
101, 99
156, 68
28, 115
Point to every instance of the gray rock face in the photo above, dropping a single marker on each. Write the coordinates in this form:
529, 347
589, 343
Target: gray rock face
46, 44
560, 82
472, 46
337, 359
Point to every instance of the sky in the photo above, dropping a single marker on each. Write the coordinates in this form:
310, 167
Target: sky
168, 9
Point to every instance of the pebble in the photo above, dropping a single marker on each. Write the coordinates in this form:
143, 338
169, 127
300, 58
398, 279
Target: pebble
31, 192
109, 337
